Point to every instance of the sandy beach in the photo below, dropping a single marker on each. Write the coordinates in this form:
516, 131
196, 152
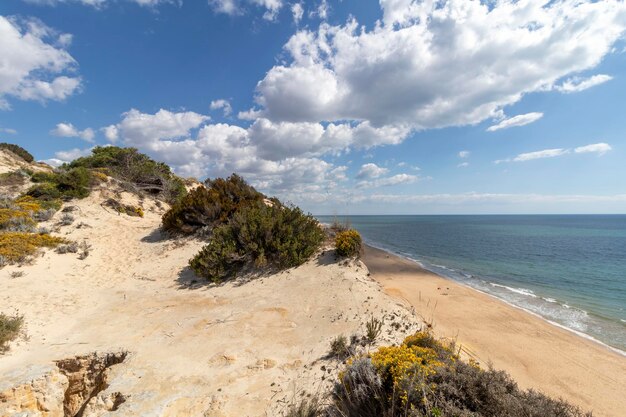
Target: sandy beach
537, 354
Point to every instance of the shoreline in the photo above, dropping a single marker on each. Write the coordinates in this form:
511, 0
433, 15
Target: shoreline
495, 297
537, 353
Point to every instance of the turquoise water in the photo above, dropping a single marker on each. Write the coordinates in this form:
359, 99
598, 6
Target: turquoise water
569, 269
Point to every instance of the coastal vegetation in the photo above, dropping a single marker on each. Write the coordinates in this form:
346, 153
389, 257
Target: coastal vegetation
261, 236
348, 243
425, 377
17, 150
19, 236
136, 171
246, 230
10, 328
210, 205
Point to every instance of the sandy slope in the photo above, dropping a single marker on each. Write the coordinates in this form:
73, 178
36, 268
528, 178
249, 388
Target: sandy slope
537, 354
233, 350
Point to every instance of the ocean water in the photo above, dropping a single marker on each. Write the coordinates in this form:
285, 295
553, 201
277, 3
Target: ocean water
569, 269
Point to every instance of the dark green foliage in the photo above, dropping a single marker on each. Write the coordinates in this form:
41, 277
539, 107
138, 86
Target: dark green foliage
10, 328
211, 205
17, 150
260, 235
136, 169
64, 184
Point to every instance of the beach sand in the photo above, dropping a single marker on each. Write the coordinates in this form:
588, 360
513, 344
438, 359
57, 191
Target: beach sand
535, 353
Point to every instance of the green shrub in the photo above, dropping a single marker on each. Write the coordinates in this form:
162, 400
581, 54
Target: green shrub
18, 150
348, 243
261, 236
10, 328
64, 184
211, 205
423, 378
136, 169
13, 178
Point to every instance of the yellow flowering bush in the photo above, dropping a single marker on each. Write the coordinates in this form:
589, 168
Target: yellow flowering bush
348, 243
17, 246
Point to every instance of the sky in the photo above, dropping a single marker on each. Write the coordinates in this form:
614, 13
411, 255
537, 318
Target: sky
338, 106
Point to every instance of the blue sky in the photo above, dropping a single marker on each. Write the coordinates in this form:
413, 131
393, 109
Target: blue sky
342, 107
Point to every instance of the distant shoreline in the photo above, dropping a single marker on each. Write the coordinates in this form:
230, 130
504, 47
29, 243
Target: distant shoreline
539, 316
535, 351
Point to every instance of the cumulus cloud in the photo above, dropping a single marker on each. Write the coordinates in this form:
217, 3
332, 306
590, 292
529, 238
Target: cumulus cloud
464, 154
576, 84
34, 64
437, 64
238, 7
599, 148
67, 130
110, 133
222, 104
519, 120
463, 165
371, 171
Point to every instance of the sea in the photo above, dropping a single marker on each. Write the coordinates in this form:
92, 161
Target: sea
568, 269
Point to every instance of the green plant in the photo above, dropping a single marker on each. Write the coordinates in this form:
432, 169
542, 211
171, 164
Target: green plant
18, 150
211, 205
17, 246
10, 328
305, 407
137, 170
63, 184
348, 243
423, 377
260, 236
339, 347
373, 328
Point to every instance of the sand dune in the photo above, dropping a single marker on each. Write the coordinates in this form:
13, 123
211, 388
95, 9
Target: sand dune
241, 349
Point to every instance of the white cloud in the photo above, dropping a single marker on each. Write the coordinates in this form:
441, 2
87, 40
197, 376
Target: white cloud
222, 104
389, 181
599, 148
463, 165
297, 11
322, 10
34, 64
70, 155
437, 64
576, 84
371, 171
519, 120
8, 130
238, 7
110, 133
99, 4
68, 130
464, 154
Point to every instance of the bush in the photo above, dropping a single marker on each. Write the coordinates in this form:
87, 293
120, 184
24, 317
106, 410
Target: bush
13, 178
423, 377
261, 236
136, 169
211, 205
348, 243
121, 208
18, 150
64, 184
10, 328
18, 246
